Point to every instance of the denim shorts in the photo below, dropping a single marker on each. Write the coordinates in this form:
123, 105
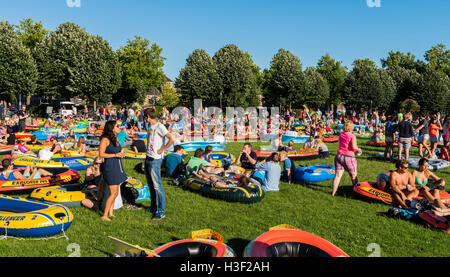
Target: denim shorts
422, 137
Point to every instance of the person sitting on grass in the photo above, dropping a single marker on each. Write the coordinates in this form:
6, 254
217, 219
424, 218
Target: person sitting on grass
310, 142
96, 185
377, 136
288, 168
402, 185
273, 172
383, 180
138, 145
173, 161
429, 185
322, 148
247, 159
289, 147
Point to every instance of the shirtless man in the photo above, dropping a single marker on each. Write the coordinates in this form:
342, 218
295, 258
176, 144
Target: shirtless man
402, 185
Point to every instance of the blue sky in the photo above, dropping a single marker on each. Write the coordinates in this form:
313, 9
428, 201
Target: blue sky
346, 29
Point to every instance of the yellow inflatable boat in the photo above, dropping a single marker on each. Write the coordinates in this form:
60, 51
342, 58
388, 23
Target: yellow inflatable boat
21, 217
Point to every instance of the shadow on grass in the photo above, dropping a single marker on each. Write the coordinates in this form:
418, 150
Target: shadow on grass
138, 168
238, 245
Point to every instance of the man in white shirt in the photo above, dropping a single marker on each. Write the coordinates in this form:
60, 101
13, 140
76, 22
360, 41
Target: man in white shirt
155, 153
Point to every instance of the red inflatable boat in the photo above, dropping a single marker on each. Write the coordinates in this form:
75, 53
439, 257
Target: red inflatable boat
288, 241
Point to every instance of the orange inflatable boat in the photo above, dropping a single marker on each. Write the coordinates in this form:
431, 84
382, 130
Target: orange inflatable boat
369, 189
289, 241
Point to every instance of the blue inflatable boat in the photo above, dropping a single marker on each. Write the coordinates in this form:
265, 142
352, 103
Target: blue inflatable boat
315, 173
76, 163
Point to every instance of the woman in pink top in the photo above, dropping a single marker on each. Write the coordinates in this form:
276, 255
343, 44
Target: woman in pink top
345, 159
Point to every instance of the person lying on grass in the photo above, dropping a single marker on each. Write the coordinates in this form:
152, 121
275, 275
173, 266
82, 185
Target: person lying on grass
402, 185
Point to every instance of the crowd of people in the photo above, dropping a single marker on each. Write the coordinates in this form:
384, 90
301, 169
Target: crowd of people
121, 126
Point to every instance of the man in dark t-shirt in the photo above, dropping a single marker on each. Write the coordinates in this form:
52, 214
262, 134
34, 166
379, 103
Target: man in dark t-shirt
247, 158
138, 145
22, 118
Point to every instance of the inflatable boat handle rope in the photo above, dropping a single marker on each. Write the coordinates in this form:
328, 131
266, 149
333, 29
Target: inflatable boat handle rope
49, 238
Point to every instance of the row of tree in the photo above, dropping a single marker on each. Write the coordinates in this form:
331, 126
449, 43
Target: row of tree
70, 62
403, 83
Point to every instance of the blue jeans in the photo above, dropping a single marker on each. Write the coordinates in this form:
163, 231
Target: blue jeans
157, 197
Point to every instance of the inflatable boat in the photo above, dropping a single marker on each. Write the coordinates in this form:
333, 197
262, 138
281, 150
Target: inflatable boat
221, 158
69, 195
302, 154
370, 189
28, 218
60, 176
315, 173
21, 162
296, 139
249, 194
289, 241
194, 145
76, 163
203, 244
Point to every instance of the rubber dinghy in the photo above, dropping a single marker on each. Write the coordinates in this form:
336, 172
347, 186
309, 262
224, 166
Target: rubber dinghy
203, 244
289, 241
249, 194
315, 173
21, 217
60, 176
301, 154
370, 189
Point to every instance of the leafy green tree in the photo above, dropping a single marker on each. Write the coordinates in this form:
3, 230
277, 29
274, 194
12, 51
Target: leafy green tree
283, 79
407, 61
169, 97
198, 79
409, 106
367, 86
314, 90
438, 57
18, 72
434, 91
253, 99
141, 67
72, 63
30, 32
334, 72
407, 83
236, 77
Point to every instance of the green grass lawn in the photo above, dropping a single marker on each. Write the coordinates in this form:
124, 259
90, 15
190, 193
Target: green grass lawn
347, 220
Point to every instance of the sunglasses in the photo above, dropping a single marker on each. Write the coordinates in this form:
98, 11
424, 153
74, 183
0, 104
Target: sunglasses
405, 167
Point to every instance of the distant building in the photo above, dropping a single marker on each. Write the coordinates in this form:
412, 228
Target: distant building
154, 94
